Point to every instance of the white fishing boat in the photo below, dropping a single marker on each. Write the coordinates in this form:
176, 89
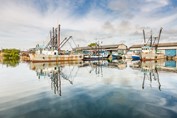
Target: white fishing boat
148, 53
52, 51
149, 50
45, 55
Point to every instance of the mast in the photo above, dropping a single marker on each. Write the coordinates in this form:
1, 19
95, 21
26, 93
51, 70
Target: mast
159, 35
53, 37
144, 37
151, 39
56, 34
58, 37
158, 39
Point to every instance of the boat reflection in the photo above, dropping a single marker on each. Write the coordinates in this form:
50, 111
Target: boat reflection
55, 71
98, 65
149, 70
119, 64
58, 71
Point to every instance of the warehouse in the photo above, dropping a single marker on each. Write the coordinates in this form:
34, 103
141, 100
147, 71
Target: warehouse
120, 48
168, 49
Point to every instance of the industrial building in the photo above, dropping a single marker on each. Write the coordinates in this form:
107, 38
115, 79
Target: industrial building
168, 49
120, 48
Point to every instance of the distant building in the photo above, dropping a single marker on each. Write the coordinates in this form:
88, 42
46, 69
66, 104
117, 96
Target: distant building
120, 48
168, 49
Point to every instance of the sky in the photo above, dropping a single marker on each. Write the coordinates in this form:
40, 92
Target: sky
26, 23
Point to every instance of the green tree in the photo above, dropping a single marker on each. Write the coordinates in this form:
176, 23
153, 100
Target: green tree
11, 57
92, 45
11, 53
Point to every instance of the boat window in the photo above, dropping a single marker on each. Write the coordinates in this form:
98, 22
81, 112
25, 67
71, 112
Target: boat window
55, 53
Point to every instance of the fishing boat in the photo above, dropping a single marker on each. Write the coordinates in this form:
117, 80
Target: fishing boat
98, 55
52, 51
45, 55
148, 53
149, 49
135, 55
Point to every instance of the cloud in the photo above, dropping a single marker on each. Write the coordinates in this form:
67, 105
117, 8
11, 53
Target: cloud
107, 26
151, 5
26, 23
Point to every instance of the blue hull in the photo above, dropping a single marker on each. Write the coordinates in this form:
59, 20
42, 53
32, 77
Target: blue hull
136, 57
116, 57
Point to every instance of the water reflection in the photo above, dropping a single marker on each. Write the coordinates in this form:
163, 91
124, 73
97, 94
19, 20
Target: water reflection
170, 63
150, 70
10, 62
55, 71
150, 73
117, 92
98, 66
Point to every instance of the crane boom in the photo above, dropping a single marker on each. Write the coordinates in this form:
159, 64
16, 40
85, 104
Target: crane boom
62, 41
159, 35
65, 42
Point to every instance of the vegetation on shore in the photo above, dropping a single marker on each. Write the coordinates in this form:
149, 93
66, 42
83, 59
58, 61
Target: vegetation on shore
11, 62
92, 45
11, 57
11, 53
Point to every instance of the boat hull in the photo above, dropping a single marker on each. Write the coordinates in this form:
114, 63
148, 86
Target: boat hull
54, 58
92, 58
152, 57
136, 57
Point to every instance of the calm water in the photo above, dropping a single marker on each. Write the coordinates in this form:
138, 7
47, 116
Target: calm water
88, 90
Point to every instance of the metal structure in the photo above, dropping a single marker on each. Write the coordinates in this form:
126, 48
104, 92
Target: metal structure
54, 38
151, 75
64, 41
55, 41
152, 41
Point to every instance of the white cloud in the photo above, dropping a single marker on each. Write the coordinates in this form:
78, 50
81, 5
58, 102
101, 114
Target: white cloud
151, 5
23, 23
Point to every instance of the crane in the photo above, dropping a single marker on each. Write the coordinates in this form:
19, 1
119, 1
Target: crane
64, 41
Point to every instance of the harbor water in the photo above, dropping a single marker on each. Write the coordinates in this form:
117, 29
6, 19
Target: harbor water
99, 89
